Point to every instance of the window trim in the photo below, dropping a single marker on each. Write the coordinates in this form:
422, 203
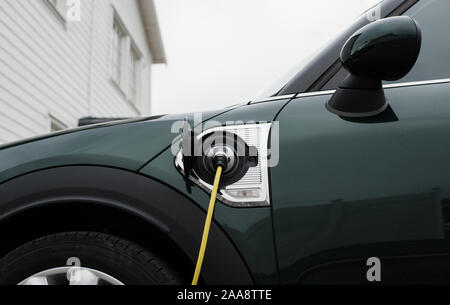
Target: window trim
329, 92
128, 45
138, 75
122, 42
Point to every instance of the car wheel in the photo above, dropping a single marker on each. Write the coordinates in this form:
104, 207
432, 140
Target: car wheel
83, 258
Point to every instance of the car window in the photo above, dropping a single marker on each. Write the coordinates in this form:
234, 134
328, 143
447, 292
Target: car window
312, 74
434, 58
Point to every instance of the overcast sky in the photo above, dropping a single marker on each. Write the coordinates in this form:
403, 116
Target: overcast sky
223, 52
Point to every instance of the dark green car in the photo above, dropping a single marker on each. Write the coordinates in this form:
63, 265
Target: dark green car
351, 183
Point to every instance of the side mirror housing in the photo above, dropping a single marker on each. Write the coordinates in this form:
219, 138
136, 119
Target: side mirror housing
386, 49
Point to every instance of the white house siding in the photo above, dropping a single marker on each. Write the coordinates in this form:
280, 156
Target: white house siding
48, 67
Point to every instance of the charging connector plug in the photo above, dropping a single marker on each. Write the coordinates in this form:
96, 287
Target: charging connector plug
220, 159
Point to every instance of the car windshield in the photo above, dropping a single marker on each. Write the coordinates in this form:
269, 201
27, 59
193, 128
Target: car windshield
277, 85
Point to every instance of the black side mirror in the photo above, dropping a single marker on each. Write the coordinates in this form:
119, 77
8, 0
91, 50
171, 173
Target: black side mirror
386, 49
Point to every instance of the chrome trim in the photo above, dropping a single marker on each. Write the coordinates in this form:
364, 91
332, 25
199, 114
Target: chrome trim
389, 86
418, 83
316, 93
263, 186
274, 98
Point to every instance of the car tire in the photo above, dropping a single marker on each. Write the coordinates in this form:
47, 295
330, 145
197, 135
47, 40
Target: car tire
118, 258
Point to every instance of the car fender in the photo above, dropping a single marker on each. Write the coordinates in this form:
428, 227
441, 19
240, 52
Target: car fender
160, 205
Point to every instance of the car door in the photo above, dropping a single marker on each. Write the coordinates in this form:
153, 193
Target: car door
352, 194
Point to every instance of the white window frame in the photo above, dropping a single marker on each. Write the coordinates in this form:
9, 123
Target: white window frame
127, 47
134, 97
121, 47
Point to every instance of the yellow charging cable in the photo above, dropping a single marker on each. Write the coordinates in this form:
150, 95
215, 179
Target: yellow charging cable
209, 216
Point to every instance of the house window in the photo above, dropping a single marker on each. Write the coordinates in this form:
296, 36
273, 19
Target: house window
59, 7
56, 125
117, 52
133, 75
125, 62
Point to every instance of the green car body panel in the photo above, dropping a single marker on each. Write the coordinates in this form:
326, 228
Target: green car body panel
322, 215
349, 189
131, 145
249, 228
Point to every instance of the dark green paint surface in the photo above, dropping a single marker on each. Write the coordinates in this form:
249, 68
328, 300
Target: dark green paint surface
352, 189
344, 189
249, 228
